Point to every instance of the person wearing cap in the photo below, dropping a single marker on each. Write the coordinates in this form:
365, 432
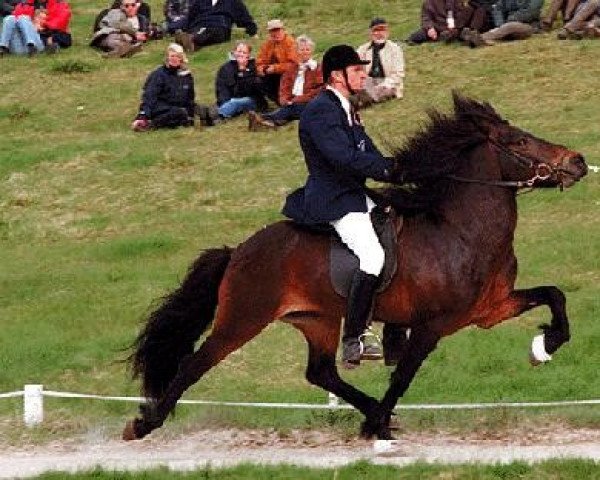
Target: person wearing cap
276, 55
385, 71
340, 157
210, 22
168, 94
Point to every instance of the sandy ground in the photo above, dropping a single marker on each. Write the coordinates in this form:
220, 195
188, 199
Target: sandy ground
317, 449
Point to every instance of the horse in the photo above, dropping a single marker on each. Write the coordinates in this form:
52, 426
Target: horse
455, 183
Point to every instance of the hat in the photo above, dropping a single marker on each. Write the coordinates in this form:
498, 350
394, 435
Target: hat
274, 24
339, 57
377, 21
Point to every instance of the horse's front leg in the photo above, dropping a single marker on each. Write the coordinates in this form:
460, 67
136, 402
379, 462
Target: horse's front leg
519, 301
419, 345
557, 332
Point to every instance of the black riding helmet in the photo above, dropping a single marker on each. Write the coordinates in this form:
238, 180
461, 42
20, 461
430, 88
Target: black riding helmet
339, 57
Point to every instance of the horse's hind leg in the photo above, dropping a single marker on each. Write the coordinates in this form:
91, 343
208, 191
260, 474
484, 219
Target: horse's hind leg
229, 333
322, 336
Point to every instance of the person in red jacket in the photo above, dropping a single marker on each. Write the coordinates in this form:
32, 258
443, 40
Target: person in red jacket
54, 31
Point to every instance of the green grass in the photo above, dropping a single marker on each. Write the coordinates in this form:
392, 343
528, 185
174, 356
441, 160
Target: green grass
97, 222
569, 470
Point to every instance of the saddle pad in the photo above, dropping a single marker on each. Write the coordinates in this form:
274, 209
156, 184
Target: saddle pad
343, 263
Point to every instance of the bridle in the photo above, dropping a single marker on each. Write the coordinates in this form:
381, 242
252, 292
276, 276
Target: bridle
541, 171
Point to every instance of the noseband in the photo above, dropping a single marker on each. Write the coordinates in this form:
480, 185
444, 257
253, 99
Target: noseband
541, 171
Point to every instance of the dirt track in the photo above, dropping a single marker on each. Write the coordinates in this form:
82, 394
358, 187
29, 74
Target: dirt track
228, 447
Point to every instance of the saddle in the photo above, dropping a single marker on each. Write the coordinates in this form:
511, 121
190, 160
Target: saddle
343, 262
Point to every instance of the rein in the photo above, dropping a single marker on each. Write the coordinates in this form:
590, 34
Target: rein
542, 171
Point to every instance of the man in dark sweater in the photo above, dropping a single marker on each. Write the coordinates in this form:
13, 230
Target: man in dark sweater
210, 22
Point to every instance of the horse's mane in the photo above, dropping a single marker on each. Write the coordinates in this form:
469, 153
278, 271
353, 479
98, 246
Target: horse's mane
438, 150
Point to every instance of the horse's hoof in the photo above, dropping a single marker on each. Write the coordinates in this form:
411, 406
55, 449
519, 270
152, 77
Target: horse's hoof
129, 432
538, 353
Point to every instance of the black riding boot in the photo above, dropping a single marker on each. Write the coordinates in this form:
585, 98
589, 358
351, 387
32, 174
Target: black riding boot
360, 301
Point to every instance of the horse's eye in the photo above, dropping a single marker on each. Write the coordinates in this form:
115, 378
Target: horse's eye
522, 142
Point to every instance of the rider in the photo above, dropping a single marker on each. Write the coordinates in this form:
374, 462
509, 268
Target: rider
340, 157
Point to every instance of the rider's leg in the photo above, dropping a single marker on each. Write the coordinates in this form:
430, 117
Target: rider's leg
356, 231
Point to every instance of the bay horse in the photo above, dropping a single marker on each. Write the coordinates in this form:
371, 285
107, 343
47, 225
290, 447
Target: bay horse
455, 182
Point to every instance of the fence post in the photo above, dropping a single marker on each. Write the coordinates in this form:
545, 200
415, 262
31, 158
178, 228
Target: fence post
33, 405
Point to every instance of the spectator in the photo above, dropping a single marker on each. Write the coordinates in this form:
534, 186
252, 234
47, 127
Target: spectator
21, 34
51, 29
144, 10
176, 14
299, 84
513, 20
585, 22
122, 31
275, 56
566, 7
385, 71
168, 94
210, 22
444, 19
237, 88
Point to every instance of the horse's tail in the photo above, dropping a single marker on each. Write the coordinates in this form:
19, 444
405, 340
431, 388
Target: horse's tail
173, 328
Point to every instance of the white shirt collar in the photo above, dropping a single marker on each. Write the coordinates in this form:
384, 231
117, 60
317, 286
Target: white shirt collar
344, 101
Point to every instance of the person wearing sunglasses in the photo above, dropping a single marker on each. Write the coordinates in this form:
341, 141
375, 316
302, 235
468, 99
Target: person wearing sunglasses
122, 31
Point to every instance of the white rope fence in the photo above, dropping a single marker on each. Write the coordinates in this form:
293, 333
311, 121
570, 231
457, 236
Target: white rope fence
33, 403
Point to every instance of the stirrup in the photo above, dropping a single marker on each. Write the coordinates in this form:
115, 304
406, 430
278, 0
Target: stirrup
373, 349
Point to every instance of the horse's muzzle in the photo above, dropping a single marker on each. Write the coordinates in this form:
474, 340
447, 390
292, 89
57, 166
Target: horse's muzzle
573, 169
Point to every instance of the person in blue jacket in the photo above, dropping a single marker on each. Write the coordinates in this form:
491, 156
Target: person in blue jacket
340, 157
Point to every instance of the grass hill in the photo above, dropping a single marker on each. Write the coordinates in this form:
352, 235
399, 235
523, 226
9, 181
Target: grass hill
96, 222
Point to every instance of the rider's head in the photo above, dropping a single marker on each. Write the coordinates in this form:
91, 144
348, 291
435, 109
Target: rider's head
343, 69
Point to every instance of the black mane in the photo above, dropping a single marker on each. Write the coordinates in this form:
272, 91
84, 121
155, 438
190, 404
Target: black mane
438, 150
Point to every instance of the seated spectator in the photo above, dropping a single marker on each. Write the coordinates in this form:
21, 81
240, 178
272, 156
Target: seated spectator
21, 34
444, 19
144, 10
513, 20
237, 88
168, 94
585, 22
567, 9
385, 70
122, 31
176, 14
275, 56
299, 84
210, 22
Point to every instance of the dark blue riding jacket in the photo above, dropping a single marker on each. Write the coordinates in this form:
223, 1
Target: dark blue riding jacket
339, 158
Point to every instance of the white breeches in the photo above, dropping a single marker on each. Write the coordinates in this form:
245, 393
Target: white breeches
356, 231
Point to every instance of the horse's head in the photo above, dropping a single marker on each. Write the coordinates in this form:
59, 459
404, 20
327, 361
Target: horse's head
524, 158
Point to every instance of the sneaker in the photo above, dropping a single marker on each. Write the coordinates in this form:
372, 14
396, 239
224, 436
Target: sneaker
186, 40
51, 48
133, 49
4, 51
31, 50
140, 125
257, 122
472, 37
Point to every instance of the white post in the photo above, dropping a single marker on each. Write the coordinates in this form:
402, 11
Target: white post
33, 405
